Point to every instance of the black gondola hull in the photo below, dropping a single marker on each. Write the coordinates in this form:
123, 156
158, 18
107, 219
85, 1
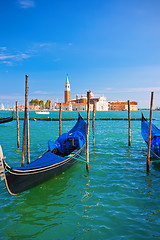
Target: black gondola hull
19, 181
5, 120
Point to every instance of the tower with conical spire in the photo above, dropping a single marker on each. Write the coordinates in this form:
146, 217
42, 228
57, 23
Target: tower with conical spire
67, 97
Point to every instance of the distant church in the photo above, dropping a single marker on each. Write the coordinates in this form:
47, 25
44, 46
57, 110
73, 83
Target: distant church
67, 91
79, 104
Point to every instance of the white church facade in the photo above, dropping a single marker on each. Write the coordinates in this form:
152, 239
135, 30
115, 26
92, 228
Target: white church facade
80, 103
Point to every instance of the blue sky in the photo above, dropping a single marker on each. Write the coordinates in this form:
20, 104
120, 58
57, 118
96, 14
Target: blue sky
110, 47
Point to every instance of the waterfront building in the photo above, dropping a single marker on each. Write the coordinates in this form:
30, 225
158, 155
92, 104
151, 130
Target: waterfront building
2, 107
80, 103
30, 107
122, 106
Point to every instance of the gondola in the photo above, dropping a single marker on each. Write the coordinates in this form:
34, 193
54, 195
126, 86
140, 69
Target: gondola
61, 155
5, 120
155, 137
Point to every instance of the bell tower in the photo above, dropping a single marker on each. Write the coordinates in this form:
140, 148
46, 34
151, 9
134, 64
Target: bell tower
67, 91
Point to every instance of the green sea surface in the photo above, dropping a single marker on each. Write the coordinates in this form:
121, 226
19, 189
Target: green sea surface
116, 200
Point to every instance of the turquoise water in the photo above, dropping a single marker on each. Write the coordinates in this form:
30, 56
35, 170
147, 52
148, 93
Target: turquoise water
116, 200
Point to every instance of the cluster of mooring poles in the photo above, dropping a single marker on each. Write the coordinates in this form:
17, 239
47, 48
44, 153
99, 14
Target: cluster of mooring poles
25, 127
87, 130
93, 128
149, 134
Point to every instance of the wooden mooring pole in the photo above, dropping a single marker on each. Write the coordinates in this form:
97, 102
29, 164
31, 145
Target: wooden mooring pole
17, 117
129, 124
149, 135
26, 123
93, 123
60, 118
87, 132
23, 143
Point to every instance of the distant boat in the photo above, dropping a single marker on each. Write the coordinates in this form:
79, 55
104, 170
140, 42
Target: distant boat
42, 112
155, 137
61, 155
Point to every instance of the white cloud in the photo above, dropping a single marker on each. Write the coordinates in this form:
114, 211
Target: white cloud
10, 97
22, 56
41, 92
10, 58
44, 44
45, 92
131, 90
3, 48
26, 3
7, 63
148, 89
4, 57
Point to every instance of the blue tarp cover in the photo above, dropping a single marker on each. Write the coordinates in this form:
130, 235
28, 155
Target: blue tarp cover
49, 158
78, 132
46, 160
155, 136
66, 139
145, 130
